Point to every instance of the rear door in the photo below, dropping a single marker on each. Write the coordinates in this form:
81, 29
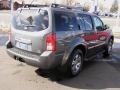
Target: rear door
65, 24
89, 34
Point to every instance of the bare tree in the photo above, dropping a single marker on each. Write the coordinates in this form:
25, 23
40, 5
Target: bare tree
86, 7
114, 7
101, 6
70, 2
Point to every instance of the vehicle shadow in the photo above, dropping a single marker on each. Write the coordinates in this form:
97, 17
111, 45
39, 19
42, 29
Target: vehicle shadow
57, 75
95, 75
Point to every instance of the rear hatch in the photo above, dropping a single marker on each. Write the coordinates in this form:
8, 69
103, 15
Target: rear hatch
29, 28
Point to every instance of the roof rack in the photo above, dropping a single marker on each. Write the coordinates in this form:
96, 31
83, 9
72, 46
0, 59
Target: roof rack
54, 6
34, 5
61, 6
51, 5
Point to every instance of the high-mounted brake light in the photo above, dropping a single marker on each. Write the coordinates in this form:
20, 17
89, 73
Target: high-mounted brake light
51, 42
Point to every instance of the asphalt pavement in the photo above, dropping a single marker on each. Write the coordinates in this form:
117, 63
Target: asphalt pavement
97, 74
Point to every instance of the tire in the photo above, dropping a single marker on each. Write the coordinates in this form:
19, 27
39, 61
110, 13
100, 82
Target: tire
108, 49
74, 63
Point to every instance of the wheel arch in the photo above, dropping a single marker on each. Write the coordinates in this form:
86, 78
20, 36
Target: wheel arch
112, 37
81, 46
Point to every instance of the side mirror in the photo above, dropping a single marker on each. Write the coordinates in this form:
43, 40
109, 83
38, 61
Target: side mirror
106, 27
99, 28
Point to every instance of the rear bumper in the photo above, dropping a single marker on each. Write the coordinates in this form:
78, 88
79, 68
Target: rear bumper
44, 61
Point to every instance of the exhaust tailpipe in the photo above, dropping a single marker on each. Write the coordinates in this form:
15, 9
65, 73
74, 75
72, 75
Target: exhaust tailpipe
18, 59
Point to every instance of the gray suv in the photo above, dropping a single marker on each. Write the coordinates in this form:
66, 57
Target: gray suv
57, 36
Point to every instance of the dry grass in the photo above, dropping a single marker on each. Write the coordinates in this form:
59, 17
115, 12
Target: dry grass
116, 34
4, 27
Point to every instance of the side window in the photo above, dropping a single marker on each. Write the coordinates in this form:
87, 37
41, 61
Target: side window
65, 21
97, 22
88, 22
74, 22
81, 22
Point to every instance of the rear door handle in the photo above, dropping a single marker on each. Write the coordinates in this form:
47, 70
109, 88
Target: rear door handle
82, 35
73, 33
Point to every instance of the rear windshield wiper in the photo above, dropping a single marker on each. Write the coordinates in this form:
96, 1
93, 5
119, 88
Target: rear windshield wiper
26, 26
29, 25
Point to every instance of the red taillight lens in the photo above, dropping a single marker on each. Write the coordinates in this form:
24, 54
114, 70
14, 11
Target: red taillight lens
51, 42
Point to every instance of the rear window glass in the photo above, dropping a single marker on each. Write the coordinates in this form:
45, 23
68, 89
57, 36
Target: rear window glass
30, 21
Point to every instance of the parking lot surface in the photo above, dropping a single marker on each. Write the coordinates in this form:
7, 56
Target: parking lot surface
97, 74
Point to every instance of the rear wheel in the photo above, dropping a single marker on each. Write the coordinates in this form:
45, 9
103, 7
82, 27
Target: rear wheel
75, 63
108, 49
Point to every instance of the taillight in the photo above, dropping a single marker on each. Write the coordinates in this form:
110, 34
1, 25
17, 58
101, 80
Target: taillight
51, 42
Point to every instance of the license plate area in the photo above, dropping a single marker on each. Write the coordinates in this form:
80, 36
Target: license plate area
23, 46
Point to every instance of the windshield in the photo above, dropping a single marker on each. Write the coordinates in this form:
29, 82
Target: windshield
30, 21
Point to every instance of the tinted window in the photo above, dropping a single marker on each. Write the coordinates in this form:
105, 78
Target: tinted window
97, 22
30, 21
65, 21
81, 22
88, 22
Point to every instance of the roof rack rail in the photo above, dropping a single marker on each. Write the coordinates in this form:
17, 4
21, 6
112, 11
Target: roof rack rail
60, 6
53, 5
78, 8
35, 5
